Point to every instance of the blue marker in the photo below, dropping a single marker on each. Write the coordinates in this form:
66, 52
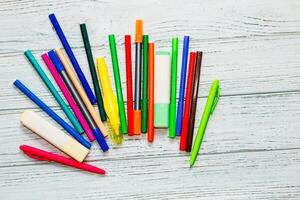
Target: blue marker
71, 55
180, 106
52, 114
61, 70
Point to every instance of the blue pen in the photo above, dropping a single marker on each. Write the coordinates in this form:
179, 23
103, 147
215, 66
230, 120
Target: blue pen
180, 106
51, 113
61, 70
71, 55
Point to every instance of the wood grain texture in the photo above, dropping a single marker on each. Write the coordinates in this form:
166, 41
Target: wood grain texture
252, 144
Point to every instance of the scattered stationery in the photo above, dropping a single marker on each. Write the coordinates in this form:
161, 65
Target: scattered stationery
53, 91
138, 76
189, 138
61, 70
68, 97
188, 102
128, 62
110, 102
180, 106
172, 115
145, 84
151, 93
115, 64
211, 103
42, 155
53, 135
90, 58
51, 113
162, 80
81, 92
72, 57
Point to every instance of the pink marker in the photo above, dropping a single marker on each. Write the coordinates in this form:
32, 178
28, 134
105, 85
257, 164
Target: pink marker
68, 97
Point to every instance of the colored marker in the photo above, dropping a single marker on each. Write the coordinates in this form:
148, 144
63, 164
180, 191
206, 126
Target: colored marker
53, 91
162, 80
189, 139
42, 155
68, 97
53, 135
81, 92
129, 84
51, 113
115, 63
72, 57
145, 84
211, 103
188, 102
61, 70
90, 58
110, 102
172, 120
180, 106
151, 94
138, 76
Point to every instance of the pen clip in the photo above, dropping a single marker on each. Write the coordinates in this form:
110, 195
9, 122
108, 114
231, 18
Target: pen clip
216, 99
33, 156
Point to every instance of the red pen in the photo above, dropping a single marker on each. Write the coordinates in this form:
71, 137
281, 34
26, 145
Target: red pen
188, 102
129, 84
42, 155
151, 92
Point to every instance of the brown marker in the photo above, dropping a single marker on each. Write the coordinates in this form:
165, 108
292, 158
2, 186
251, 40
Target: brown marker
189, 140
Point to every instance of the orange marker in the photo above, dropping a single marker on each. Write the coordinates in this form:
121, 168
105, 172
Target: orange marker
138, 67
151, 92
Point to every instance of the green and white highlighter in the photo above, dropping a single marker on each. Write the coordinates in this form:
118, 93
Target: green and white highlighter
162, 79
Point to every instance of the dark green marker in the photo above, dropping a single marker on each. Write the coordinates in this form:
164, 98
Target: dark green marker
145, 84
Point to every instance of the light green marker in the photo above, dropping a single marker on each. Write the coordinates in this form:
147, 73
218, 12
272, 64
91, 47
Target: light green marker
211, 103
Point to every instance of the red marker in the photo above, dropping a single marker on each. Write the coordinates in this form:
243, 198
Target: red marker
188, 102
39, 154
129, 84
151, 92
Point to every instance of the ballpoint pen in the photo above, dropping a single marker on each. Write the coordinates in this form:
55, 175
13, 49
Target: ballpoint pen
61, 70
39, 154
51, 113
151, 93
72, 57
138, 77
211, 103
53, 91
89, 54
110, 102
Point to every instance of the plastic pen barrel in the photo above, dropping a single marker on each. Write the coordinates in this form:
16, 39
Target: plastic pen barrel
151, 94
145, 84
91, 62
51, 113
180, 106
72, 57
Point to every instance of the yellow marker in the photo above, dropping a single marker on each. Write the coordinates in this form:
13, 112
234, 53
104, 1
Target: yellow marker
110, 101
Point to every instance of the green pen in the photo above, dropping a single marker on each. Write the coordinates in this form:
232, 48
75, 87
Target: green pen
54, 92
211, 103
115, 63
91, 62
145, 85
172, 111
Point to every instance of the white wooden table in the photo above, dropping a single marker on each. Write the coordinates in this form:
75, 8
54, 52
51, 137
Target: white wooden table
251, 148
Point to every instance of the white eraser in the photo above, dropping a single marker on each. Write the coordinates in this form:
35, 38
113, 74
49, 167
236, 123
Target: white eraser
54, 135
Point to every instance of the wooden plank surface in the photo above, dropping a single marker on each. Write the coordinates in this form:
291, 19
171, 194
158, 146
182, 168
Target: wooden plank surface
252, 144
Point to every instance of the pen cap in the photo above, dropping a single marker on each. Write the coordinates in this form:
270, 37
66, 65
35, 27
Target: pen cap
53, 135
56, 61
162, 79
139, 31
